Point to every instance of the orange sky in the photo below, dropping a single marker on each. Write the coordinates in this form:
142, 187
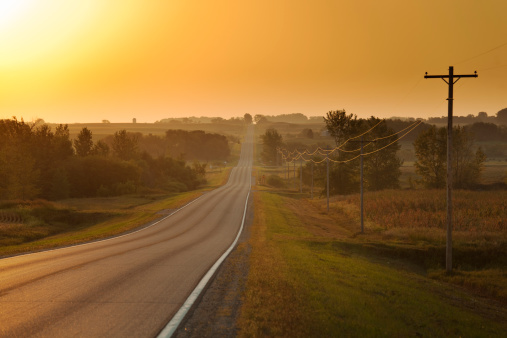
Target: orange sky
84, 61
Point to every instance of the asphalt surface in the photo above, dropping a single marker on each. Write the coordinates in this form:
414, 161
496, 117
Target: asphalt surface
129, 286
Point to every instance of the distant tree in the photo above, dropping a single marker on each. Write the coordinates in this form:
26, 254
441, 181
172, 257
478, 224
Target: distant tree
84, 143
62, 143
218, 120
197, 145
248, 118
258, 118
381, 168
100, 149
271, 141
307, 132
431, 151
482, 116
467, 163
340, 125
501, 116
105, 121
125, 145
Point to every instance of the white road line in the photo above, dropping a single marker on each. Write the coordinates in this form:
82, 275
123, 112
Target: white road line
171, 327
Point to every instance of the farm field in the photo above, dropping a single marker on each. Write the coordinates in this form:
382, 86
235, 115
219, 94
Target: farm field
101, 130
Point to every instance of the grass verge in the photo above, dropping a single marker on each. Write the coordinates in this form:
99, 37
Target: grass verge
311, 276
41, 225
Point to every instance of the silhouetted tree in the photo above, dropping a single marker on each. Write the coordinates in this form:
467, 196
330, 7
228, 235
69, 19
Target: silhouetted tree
501, 116
431, 151
84, 143
340, 125
62, 143
248, 118
125, 146
100, 149
382, 167
271, 141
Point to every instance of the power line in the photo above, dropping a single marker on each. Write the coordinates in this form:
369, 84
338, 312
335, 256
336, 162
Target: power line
484, 53
291, 156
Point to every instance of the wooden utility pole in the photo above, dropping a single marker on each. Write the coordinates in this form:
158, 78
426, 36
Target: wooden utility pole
452, 80
362, 219
301, 174
311, 189
294, 174
327, 182
361, 181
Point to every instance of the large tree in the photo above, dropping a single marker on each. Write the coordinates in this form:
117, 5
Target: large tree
271, 141
340, 125
431, 151
381, 166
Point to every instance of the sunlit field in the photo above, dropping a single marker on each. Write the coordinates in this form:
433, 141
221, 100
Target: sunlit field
101, 130
478, 212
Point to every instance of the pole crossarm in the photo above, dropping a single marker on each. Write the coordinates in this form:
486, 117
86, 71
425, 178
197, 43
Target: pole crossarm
444, 77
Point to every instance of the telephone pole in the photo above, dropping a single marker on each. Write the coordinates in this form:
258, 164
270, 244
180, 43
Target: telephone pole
452, 79
361, 181
301, 174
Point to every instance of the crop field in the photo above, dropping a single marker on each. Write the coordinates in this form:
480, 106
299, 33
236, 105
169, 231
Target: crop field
478, 212
101, 130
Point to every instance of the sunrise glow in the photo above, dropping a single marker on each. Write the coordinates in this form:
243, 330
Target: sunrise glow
74, 61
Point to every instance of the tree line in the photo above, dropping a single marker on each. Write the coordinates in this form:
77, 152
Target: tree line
37, 162
382, 166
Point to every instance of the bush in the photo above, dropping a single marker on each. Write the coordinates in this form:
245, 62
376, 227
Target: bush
124, 188
175, 187
275, 181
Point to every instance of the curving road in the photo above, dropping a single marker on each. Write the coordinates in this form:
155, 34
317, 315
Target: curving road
126, 286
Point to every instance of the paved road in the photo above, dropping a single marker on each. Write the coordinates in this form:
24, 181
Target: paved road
127, 286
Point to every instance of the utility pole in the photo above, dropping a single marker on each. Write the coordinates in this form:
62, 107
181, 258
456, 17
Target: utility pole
452, 80
361, 181
327, 182
311, 188
294, 172
362, 221
301, 174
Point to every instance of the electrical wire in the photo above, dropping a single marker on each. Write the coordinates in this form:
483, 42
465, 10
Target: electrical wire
300, 155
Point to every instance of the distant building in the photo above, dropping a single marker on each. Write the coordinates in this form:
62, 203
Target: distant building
134, 120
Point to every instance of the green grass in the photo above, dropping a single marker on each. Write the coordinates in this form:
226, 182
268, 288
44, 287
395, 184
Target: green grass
311, 276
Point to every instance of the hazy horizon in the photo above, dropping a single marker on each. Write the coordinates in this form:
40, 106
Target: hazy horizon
83, 62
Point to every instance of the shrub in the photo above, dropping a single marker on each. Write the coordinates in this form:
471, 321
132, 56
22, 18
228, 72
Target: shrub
275, 181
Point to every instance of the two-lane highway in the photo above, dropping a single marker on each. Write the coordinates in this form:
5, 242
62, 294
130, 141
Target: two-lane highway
126, 286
